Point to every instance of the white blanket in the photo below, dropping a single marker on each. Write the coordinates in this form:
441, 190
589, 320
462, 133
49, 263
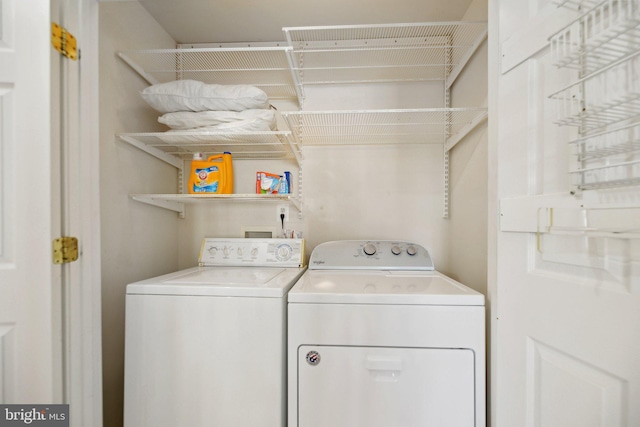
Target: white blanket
232, 121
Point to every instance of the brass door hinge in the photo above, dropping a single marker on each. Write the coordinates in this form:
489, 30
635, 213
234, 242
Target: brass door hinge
63, 41
65, 249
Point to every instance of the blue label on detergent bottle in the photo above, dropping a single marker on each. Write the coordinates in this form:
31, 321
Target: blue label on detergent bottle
206, 182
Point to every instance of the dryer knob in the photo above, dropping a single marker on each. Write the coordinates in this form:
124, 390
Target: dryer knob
370, 249
396, 250
411, 250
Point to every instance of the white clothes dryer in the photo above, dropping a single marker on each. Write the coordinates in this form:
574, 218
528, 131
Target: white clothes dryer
206, 346
378, 338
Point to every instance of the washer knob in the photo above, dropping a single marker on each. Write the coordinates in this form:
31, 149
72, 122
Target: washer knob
213, 250
284, 252
411, 250
396, 250
370, 249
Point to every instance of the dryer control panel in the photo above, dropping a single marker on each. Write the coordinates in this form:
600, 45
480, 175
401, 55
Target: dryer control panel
370, 255
252, 252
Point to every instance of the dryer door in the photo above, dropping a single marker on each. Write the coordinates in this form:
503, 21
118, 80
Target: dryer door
381, 387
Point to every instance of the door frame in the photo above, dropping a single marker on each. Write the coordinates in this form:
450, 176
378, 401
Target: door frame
492, 216
82, 342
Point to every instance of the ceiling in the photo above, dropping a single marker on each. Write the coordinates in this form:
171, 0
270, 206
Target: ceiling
229, 21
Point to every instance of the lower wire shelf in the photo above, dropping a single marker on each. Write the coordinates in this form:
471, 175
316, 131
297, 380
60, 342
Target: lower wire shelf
177, 202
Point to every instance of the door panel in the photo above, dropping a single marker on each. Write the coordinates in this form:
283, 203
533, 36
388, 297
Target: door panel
7, 352
7, 177
567, 298
379, 386
592, 397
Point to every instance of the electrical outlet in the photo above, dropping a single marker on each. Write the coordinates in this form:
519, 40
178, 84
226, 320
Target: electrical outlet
283, 209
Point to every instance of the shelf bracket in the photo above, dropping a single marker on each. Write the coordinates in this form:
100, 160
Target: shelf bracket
295, 149
166, 204
148, 77
296, 203
159, 154
451, 142
463, 62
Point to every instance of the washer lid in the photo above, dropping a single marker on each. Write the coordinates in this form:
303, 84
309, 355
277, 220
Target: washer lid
221, 281
382, 287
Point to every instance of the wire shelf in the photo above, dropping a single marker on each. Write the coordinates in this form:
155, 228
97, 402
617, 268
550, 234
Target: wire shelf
608, 159
245, 145
576, 4
198, 198
605, 34
264, 67
624, 140
177, 202
382, 53
348, 127
608, 176
604, 102
604, 98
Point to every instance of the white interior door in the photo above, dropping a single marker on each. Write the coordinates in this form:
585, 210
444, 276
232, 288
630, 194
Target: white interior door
30, 359
566, 307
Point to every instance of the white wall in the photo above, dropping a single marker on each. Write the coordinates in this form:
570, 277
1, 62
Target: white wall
138, 241
468, 167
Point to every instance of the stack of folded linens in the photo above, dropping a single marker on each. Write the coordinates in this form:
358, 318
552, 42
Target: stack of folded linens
193, 106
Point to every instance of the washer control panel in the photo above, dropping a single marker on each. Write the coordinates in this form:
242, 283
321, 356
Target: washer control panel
370, 254
253, 252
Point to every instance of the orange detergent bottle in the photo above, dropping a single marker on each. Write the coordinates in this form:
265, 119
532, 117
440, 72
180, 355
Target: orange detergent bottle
211, 176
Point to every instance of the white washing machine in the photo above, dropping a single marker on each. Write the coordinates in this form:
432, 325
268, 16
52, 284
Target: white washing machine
378, 338
206, 346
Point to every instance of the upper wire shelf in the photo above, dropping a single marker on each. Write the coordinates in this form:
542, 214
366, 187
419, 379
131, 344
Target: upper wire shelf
414, 52
382, 53
356, 127
264, 67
